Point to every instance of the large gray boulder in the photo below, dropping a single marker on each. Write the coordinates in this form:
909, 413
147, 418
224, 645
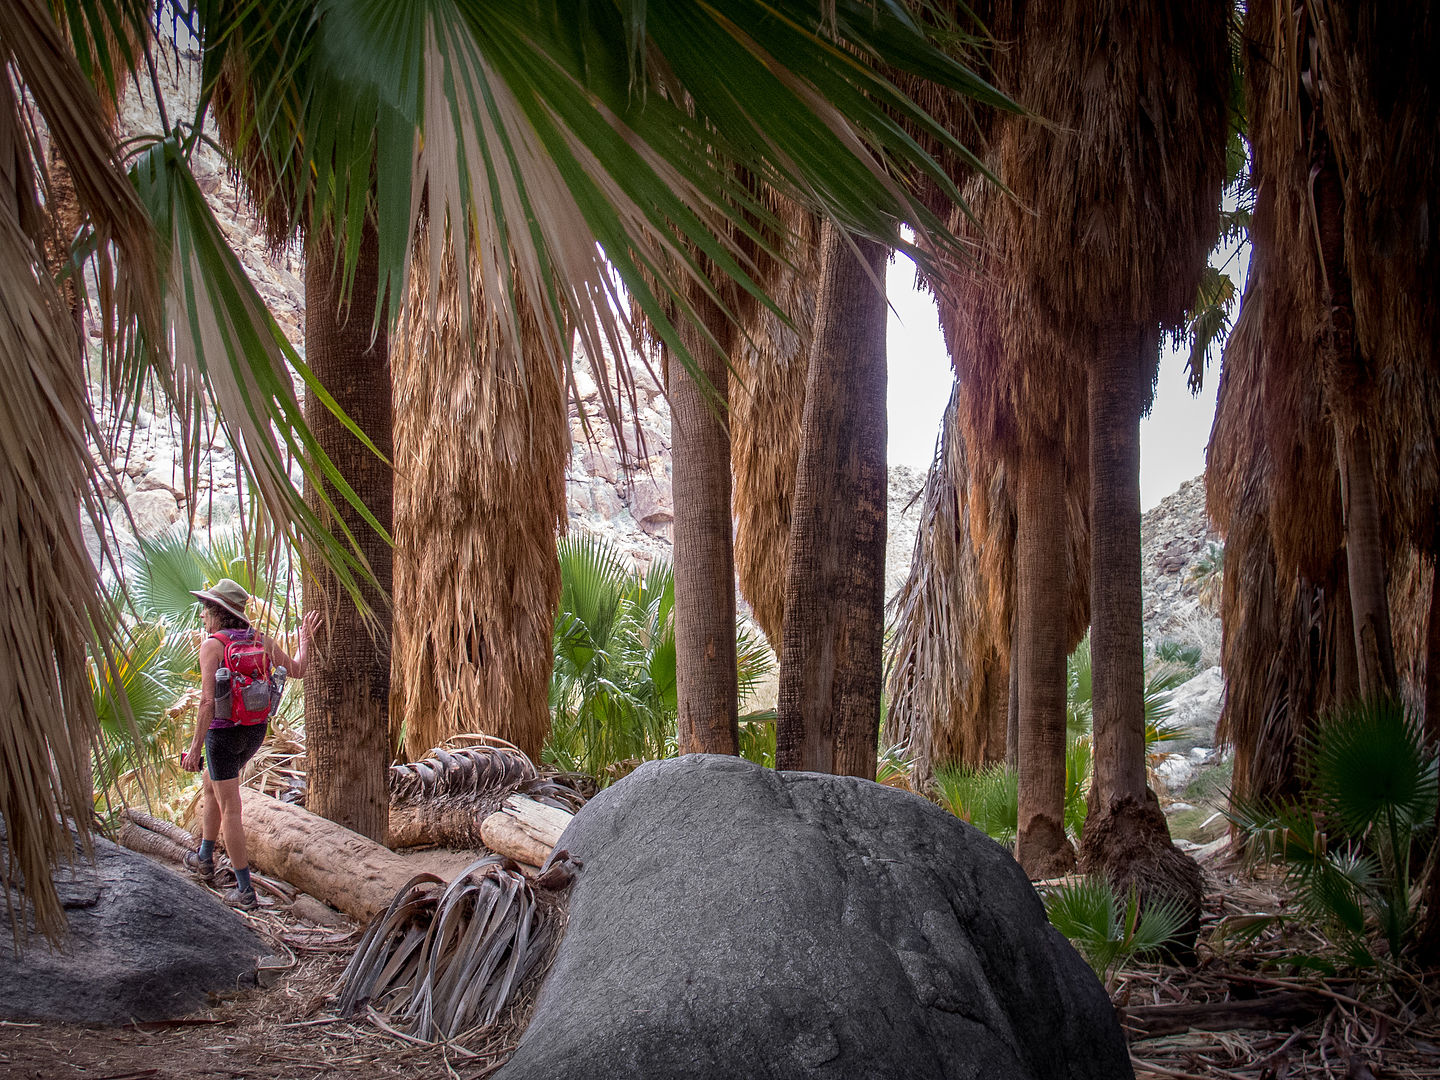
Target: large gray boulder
144, 944
732, 921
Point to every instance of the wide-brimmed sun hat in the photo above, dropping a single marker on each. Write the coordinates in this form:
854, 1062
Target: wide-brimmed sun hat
230, 595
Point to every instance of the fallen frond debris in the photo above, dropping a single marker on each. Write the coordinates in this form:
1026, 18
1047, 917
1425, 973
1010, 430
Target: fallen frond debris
1266, 1008
443, 961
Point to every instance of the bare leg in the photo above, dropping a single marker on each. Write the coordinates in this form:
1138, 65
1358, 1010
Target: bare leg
210, 808
227, 794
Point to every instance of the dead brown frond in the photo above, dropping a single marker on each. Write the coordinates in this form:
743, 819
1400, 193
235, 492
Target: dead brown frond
949, 659
48, 484
462, 772
767, 399
443, 960
481, 443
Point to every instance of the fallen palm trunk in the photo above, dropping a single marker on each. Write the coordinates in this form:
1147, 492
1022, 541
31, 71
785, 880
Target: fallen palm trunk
448, 824
456, 821
346, 870
524, 829
151, 836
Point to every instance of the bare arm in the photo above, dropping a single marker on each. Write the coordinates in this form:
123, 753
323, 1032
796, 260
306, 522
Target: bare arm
211, 653
295, 666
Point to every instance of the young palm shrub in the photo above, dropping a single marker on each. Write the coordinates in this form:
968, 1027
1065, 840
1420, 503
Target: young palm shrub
1107, 930
612, 693
987, 798
1347, 845
134, 694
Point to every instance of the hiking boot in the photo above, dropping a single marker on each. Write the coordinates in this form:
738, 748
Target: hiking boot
244, 899
202, 869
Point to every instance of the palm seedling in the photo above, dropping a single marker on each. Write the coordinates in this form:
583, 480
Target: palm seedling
1109, 930
1348, 844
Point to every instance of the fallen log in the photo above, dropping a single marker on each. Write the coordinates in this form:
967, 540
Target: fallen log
524, 829
450, 824
161, 826
137, 837
346, 870
1268, 1011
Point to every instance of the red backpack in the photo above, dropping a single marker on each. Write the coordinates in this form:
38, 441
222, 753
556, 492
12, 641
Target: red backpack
249, 676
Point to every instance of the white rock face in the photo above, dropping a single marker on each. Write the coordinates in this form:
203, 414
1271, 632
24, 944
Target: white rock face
1175, 773
1197, 708
1172, 536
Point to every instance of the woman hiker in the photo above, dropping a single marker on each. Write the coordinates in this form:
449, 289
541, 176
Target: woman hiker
234, 710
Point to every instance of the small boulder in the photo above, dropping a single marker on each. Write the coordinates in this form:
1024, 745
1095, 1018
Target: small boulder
733, 921
144, 943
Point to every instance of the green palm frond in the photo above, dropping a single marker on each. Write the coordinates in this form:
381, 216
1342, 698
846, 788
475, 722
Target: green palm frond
1079, 762
1371, 768
1079, 717
1347, 845
570, 153
613, 693
225, 348
987, 798
1107, 930
894, 766
152, 668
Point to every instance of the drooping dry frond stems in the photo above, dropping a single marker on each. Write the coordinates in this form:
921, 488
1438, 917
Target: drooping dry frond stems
51, 607
1288, 652
447, 959
767, 400
949, 683
1273, 481
481, 442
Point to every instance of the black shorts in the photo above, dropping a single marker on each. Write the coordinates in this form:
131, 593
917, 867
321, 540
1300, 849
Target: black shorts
229, 748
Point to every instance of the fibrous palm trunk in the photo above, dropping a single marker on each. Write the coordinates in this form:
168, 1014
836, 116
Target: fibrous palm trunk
481, 433
1040, 577
347, 684
705, 673
1432, 658
830, 665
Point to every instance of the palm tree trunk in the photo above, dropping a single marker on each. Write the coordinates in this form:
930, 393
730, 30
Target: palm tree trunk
997, 709
830, 665
1012, 713
705, 675
1040, 581
1432, 658
347, 684
1126, 838
1116, 633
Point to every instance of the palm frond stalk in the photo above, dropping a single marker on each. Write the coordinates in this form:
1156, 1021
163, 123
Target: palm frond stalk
481, 442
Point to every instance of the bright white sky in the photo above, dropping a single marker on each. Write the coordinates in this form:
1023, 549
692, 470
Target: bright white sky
1172, 437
